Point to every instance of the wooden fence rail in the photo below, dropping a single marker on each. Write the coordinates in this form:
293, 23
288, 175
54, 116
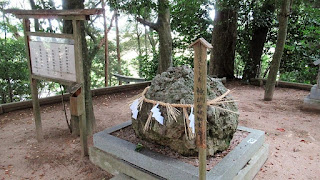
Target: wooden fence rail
4, 108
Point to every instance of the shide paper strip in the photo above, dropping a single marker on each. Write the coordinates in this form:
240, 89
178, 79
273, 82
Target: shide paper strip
157, 114
134, 108
191, 118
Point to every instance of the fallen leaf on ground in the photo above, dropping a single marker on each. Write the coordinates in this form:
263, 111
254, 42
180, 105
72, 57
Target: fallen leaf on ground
302, 140
281, 129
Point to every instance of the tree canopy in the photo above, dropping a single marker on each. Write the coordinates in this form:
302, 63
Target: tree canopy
144, 45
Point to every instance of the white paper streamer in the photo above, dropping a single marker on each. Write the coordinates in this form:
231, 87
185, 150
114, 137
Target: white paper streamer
191, 118
134, 108
157, 114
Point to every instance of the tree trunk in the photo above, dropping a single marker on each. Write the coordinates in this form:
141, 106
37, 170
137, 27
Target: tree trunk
146, 35
51, 6
259, 35
106, 61
139, 48
224, 36
118, 45
281, 38
36, 21
106, 47
165, 39
67, 28
163, 28
153, 43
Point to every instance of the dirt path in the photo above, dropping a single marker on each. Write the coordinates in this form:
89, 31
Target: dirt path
293, 136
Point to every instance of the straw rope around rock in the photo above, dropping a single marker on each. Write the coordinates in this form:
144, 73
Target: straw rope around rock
173, 112
172, 107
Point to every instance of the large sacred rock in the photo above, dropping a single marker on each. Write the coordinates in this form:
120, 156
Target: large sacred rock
176, 87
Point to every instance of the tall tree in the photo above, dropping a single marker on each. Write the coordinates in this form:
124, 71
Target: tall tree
163, 28
36, 21
262, 22
140, 52
67, 28
118, 44
224, 36
276, 59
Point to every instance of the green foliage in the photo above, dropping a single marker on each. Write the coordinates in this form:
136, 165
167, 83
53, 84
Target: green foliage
190, 21
14, 80
97, 69
139, 147
252, 15
149, 66
183, 60
302, 46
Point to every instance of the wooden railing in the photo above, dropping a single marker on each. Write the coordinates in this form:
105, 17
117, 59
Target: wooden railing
128, 79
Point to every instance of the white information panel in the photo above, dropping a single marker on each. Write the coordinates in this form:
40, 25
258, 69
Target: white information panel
53, 60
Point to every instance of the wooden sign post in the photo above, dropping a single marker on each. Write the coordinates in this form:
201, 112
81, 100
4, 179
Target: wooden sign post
200, 100
59, 58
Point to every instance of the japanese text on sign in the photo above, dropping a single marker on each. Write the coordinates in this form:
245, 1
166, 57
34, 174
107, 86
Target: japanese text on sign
53, 60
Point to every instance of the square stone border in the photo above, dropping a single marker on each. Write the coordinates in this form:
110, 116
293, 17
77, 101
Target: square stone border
153, 165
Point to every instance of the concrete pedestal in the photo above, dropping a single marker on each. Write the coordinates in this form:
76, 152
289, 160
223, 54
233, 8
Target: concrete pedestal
118, 156
312, 101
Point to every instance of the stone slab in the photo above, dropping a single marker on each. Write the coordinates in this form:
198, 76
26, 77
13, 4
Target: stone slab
126, 151
116, 166
1, 110
121, 176
105, 161
315, 93
254, 165
311, 104
231, 164
169, 168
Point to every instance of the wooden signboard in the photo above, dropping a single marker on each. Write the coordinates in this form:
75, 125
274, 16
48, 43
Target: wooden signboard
53, 59
57, 57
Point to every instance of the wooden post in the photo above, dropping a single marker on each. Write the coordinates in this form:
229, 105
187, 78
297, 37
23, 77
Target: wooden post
74, 123
200, 101
80, 95
34, 89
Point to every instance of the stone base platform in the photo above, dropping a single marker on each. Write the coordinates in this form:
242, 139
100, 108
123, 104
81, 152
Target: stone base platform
119, 158
311, 104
